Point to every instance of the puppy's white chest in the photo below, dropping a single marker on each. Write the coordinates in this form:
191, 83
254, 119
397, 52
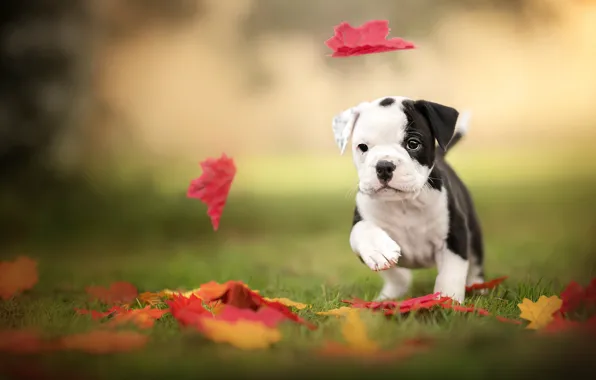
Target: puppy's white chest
419, 226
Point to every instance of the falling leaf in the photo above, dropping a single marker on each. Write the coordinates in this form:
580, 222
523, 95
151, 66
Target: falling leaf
118, 293
105, 341
213, 186
539, 313
143, 318
487, 285
17, 276
21, 342
187, 311
246, 335
340, 312
288, 302
369, 38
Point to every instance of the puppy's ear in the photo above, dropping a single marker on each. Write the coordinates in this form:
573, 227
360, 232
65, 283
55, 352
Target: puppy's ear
440, 118
343, 125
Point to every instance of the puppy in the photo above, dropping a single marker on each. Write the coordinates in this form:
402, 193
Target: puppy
412, 209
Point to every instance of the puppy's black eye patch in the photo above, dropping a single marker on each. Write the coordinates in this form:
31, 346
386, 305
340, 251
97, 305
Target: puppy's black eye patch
386, 102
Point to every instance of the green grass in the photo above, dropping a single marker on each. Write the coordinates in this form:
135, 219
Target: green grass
539, 232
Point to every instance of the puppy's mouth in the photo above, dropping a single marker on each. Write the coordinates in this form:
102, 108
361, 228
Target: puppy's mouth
387, 188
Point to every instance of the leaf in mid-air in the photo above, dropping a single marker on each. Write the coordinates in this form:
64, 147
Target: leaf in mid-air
213, 186
539, 313
17, 276
118, 293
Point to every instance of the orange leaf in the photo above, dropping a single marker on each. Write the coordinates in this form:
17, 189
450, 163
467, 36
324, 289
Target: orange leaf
17, 276
105, 342
117, 293
187, 311
288, 302
21, 342
143, 318
153, 298
344, 310
246, 335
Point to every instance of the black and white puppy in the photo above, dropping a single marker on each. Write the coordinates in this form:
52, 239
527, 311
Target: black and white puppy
412, 210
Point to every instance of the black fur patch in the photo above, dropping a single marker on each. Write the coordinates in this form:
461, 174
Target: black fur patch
419, 129
386, 102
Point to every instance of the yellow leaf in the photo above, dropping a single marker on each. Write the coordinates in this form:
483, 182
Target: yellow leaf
344, 310
539, 313
288, 302
354, 333
170, 293
246, 335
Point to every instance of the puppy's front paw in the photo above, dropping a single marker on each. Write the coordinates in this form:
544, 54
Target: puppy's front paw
379, 252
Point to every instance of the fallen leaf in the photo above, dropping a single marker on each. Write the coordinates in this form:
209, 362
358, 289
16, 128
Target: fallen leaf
354, 332
21, 342
153, 299
246, 335
143, 318
288, 302
369, 38
213, 186
539, 313
575, 297
465, 309
508, 320
118, 293
405, 306
96, 315
187, 310
17, 276
265, 315
105, 341
339, 312
560, 324
486, 285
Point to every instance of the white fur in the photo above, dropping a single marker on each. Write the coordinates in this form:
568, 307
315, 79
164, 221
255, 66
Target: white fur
408, 224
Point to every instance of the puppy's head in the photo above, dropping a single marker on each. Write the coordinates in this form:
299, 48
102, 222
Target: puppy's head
393, 143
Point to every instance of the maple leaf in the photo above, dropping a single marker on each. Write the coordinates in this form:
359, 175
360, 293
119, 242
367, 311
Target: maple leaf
213, 186
143, 318
405, 306
118, 293
487, 285
96, 315
288, 302
243, 334
539, 313
575, 296
266, 315
187, 310
153, 299
369, 38
21, 342
104, 341
17, 276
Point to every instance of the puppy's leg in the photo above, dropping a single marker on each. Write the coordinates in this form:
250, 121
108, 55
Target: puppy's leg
476, 270
397, 282
374, 247
453, 271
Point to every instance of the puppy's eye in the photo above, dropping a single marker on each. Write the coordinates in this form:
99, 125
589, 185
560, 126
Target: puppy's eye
363, 147
413, 144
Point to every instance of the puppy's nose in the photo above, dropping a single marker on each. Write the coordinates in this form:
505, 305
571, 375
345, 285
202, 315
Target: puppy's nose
385, 170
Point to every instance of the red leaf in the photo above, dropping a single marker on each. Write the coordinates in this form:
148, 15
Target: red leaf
575, 296
213, 186
117, 293
266, 315
559, 324
465, 309
96, 315
486, 285
405, 306
508, 320
369, 38
242, 297
187, 310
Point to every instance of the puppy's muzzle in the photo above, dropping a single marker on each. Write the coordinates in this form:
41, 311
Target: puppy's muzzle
385, 170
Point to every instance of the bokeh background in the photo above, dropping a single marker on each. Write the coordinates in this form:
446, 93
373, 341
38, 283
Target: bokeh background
107, 106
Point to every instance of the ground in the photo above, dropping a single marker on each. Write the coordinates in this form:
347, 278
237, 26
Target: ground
290, 241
